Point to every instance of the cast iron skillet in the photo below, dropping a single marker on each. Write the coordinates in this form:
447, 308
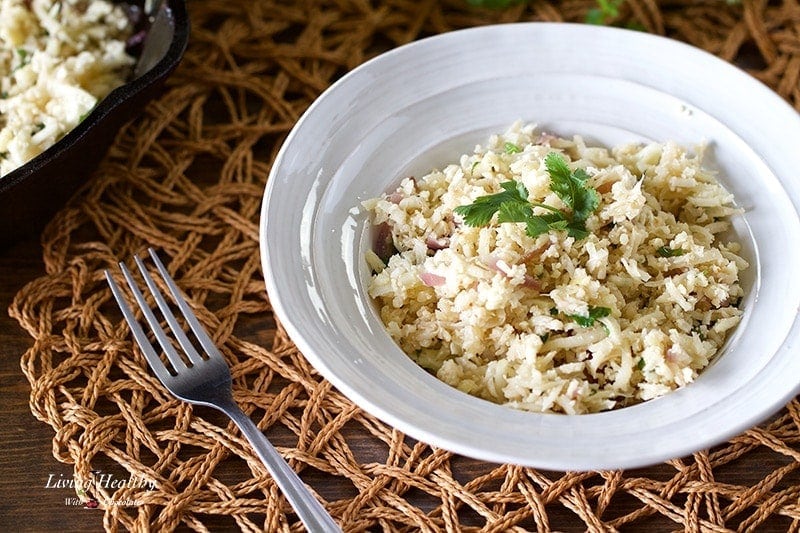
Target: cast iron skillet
31, 194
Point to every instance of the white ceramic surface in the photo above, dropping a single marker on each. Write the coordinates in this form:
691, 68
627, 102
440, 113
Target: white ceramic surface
421, 105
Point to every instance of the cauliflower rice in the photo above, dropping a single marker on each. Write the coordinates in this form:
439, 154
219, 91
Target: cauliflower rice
497, 313
58, 58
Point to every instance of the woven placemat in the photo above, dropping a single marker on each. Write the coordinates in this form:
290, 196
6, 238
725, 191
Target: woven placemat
187, 178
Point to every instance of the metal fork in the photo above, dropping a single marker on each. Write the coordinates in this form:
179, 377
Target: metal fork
206, 380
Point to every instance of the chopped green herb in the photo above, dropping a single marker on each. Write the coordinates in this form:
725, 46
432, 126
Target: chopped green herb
475, 164
571, 187
3, 95
666, 251
699, 331
594, 314
3, 155
24, 57
513, 205
640, 363
511, 148
544, 337
553, 311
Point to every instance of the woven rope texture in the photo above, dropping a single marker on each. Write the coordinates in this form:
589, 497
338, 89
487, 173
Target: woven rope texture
187, 178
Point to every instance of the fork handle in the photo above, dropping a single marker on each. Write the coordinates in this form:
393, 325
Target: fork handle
308, 509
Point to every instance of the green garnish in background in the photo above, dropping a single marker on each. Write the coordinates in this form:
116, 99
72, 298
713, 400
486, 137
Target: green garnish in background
512, 204
605, 12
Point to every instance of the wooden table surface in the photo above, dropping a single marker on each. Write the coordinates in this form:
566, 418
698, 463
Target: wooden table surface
27, 459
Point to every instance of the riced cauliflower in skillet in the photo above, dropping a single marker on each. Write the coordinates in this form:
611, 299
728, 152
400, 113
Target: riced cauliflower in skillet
58, 58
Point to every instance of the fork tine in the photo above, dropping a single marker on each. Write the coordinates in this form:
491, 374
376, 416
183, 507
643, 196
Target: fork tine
176, 328
191, 318
161, 336
138, 333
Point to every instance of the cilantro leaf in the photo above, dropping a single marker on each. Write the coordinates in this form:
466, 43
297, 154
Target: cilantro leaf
594, 314
577, 230
539, 224
513, 205
481, 211
478, 213
571, 188
536, 226
511, 148
515, 212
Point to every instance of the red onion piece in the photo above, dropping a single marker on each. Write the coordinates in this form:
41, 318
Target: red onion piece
384, 243
432, 280
496, 264
437, 243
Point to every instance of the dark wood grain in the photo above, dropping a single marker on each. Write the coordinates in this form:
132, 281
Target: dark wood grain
27, 459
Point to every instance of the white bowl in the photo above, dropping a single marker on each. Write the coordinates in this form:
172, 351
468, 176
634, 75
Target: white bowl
419, 107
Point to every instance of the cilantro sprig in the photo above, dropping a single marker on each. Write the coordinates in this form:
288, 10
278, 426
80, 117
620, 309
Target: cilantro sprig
512, 204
